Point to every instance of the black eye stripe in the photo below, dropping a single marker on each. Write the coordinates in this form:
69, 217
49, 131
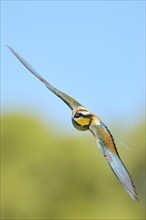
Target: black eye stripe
87, 116
79, 114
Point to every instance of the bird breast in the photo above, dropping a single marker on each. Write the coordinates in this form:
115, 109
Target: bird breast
81, 124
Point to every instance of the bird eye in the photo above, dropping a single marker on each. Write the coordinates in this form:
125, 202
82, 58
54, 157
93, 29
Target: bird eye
78, 114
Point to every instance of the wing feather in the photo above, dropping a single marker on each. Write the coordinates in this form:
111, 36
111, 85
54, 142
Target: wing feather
66, 98
107, 147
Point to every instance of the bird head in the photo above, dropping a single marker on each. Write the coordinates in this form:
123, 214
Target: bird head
81, 118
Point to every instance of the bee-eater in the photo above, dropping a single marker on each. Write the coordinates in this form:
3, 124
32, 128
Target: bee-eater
84, 119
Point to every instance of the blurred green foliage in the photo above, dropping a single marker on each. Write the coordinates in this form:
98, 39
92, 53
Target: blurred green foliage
48, 175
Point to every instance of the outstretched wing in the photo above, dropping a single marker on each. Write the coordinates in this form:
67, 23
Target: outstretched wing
107, 146
72, 103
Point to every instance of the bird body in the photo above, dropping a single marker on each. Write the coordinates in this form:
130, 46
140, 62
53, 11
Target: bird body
83, 119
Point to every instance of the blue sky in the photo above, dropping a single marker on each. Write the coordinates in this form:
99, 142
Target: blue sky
92, 50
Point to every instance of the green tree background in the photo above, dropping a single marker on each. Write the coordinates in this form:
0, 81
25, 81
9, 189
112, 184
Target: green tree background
45, 174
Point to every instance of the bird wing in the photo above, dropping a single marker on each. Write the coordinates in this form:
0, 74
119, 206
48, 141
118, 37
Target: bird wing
108, 148
72, 103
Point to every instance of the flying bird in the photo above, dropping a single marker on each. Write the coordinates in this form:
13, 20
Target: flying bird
83, 119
